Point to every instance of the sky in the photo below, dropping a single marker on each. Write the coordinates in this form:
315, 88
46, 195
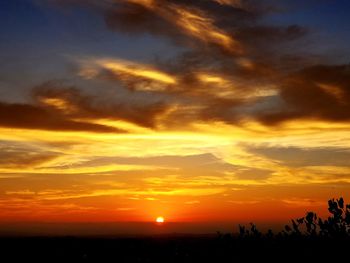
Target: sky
197, 111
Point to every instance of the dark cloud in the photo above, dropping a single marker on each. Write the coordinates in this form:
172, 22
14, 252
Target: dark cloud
195, 24
76, 104
319, 92
229, 39
26, 116
267, 44
134, 19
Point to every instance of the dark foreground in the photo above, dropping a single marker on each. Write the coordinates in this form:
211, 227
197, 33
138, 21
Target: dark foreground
308, 239
174, 249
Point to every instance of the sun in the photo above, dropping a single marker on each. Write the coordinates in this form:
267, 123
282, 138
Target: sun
160, 219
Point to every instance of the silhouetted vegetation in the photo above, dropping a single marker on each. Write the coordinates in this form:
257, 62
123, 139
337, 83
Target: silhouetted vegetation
337, 225
306, 239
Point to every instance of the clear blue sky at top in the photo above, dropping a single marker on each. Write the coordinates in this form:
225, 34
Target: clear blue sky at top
328, 23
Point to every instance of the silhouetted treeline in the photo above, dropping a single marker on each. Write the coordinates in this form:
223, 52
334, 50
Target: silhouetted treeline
337, 225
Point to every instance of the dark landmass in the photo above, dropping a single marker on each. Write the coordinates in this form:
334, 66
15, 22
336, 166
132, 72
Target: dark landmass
307, 239
173, 249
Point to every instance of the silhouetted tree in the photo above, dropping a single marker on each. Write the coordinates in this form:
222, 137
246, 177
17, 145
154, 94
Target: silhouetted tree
337, 225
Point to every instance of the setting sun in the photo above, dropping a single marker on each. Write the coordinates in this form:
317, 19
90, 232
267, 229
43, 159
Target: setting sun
160, 219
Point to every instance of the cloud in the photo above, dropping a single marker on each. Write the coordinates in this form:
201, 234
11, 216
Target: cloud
233, 66
235, 28
22, 155
302, 202
72, 103
26, 116
254, 174
301, 157
134, 76
318, 92
174, 19
204, 82
184, 166
198, 162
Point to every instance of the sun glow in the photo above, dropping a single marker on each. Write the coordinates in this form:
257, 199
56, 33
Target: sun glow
160, 219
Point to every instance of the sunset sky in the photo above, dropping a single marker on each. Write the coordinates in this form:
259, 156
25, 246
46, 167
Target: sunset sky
193, 110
